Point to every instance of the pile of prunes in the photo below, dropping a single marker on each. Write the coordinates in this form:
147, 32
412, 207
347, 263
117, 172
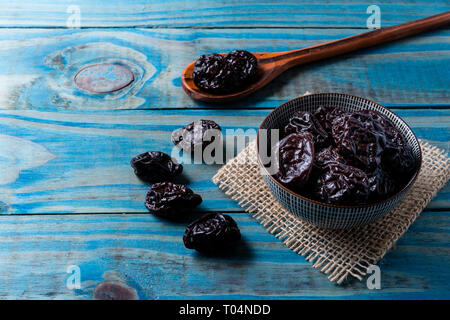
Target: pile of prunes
341, 157
212, 233
227, 73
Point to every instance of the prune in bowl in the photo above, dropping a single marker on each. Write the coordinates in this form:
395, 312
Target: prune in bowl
343, 184
352, 182
304, 121
294, 157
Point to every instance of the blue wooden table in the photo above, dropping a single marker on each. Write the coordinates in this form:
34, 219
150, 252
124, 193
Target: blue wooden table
70, 202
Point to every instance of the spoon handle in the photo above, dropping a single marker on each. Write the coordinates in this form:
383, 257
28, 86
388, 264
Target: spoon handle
289, 59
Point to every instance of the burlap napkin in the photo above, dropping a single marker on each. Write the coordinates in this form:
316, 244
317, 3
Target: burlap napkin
338, 253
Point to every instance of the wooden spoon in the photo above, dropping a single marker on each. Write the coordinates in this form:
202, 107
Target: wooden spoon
272, 64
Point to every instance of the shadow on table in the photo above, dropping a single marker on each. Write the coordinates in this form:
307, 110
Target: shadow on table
240, 251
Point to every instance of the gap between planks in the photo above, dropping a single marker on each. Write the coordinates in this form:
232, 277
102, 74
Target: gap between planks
181, 27
226, 107
120, 213
194, 213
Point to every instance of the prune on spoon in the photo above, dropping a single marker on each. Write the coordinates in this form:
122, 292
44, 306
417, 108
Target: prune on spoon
211, 233
244, 65
304, 121
170, 200
211, 73
155, 166
343, 184
294, 157
224, 74
198, 133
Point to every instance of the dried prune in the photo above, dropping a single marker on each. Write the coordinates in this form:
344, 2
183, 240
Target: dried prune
385, 145
359, 139
199, 133
343, 184
325, 116
244, 65
328, 155
304, 121
224, 74
321, 159
211, 233
294, 157
399, 161
211, 73
155, 166
380, 122
398, 157
168, 199
381, 184
365, 159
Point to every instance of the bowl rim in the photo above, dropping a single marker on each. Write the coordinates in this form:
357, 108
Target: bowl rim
375, 204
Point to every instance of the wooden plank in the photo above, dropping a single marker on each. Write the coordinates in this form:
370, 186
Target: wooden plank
147, 255
66, 162
203, 13
37, 67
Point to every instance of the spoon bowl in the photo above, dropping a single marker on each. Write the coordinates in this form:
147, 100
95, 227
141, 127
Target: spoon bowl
271, 65
267, 71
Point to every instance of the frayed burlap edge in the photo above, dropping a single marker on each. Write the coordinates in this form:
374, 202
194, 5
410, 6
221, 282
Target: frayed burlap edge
337, 253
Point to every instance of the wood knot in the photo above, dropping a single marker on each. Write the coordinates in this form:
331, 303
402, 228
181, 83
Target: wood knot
104, 77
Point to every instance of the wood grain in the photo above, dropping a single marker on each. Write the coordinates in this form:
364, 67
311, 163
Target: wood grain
207, 14
37, 67
146, 254
70, 152
83, 157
